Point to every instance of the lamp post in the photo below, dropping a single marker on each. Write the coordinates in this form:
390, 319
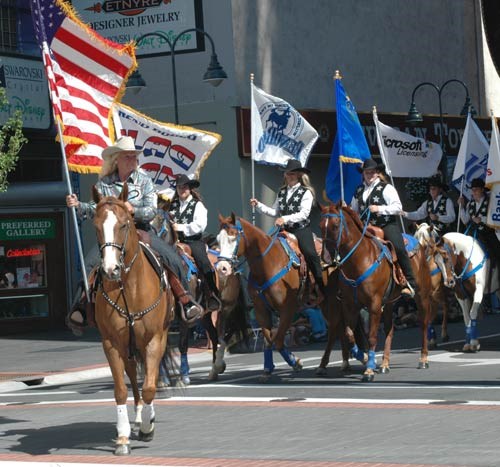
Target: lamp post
214, 75
414, 116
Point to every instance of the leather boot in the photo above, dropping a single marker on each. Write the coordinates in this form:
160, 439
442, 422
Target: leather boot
190, 308
211, 292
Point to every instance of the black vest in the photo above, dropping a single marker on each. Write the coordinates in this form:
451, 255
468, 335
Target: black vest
481, 211
184, 217
292, 206
376, 198
439, 210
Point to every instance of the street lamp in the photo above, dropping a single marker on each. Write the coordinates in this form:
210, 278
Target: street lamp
414, 116
214, 75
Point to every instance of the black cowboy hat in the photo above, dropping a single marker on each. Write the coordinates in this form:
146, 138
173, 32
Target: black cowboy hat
370, 164
183, 179
477, 183
436, 180
293, 165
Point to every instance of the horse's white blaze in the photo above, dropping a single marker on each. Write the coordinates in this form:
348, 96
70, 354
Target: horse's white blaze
227, 244
110, 255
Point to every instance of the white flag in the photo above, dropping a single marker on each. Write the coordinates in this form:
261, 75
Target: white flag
167, 149
405, 155
472, 158
279, 132
493, 170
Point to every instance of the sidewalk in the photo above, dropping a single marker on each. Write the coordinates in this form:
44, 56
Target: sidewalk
57, 357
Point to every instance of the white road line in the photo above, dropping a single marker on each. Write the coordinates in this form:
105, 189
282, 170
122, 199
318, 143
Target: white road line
68, 464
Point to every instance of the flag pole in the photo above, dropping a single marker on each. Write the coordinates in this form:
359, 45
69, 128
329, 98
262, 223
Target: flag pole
384, 159
252, 149
73, 211
336, 77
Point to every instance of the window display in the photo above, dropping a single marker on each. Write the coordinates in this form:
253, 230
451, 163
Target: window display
22, 266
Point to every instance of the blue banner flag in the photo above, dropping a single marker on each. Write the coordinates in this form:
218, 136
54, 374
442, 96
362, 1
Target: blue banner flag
350, 149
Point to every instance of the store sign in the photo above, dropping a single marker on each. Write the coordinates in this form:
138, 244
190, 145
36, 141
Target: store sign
27, 229
26, 88
123, 21
22, 252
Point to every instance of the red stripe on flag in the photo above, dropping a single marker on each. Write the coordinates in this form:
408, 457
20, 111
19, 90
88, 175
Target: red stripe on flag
81, 94
96, 54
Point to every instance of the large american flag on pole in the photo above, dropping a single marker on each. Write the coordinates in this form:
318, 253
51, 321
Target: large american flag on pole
86, 75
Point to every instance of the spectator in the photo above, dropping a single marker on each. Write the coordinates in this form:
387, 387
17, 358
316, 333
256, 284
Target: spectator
317, 323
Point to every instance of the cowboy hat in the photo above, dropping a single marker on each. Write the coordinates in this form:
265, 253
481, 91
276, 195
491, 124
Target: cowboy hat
183, 179
370, 164
436, 180
123, 144
477, 183
293, 165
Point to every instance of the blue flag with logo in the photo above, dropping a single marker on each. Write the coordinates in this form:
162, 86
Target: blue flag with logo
350, 149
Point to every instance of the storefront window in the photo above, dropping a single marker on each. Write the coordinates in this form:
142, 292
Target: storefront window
22, 267
24, 306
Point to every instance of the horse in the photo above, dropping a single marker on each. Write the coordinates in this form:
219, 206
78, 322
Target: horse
367, 279
230, 319
274, 282
133, 310
465, 269
427, 237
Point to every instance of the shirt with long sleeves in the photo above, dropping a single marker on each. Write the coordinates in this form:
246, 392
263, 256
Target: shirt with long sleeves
141, 195
304, 208
422, 212
191, 225
390, 196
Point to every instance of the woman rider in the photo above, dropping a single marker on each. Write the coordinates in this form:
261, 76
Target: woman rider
121, 165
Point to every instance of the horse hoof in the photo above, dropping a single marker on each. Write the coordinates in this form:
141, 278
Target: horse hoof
265, 377
368, 378
298, 365
220, 368
466, 348
423, 365
146, 437
213, 376
385, 370
320, 371
122, 450
185, 380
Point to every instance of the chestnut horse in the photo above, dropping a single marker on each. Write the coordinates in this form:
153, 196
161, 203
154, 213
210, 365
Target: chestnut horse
367, 279
134, 306
274, 282
427, 237
230, 319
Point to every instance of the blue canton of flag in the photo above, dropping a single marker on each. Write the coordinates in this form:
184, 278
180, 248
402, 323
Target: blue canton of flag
349, 149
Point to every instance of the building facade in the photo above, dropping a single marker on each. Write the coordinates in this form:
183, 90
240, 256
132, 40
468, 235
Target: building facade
383, 49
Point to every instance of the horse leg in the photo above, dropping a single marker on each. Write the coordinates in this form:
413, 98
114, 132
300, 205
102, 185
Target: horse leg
474, 341
122, 444
464, 304
279, 339
389, 334
153, 355
375, 310
131, 370
183, 350
213, 336
444, 323
332, 335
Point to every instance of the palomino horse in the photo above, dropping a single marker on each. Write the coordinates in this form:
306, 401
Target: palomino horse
274, 282
134, 307
230, 319
465, 268
427, 237
367, 279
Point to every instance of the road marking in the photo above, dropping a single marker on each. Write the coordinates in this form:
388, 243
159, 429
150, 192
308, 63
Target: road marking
456, 357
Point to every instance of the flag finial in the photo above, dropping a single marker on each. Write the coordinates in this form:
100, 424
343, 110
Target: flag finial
337, 75
374, 109
252, 77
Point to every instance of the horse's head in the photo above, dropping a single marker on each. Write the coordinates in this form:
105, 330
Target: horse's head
445, 258
230, 245
332, 220
426, 234
115, 229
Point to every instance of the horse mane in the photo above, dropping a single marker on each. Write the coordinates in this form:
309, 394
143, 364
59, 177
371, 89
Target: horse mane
355, 218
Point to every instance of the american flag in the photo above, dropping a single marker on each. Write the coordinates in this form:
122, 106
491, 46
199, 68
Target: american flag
86, 74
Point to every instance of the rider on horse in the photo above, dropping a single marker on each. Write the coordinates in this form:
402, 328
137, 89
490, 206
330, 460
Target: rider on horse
189, 217
292, 208
120, 165
379, 202
437, 210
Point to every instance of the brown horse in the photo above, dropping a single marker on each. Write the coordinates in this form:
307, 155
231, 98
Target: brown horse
229, 320
367, 279
274, 282
134, 307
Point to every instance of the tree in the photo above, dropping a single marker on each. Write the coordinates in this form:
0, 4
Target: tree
11, 141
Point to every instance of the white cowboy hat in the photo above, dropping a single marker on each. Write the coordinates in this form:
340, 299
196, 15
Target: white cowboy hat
123, 144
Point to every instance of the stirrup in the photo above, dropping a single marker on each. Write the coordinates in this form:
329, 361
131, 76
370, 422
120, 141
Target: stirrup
76, 326
408, 290
213, 303
192, 311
